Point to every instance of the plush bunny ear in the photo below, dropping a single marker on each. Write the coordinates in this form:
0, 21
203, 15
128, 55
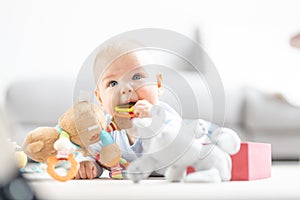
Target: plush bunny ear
35, 147
227, 139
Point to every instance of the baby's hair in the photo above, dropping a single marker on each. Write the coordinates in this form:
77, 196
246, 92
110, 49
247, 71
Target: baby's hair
112, 51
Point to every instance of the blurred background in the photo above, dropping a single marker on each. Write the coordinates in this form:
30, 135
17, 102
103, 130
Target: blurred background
248, 41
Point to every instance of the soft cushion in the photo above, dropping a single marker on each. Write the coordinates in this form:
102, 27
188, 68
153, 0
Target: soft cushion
39, 101
269, 112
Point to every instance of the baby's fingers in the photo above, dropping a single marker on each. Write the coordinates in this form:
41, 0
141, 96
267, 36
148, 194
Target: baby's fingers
142, 103
81, 172
142, 111
91, 171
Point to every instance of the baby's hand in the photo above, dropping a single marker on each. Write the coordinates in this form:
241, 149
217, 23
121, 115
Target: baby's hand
87, 170
142, 109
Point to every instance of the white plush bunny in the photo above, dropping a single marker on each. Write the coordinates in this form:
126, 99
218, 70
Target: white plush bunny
172, 151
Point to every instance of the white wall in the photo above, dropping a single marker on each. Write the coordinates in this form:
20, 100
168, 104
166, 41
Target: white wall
249, 43
247, 40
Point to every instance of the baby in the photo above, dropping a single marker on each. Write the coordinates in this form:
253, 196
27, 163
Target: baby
121, 79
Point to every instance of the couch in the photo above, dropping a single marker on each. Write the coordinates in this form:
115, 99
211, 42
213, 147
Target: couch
254, 115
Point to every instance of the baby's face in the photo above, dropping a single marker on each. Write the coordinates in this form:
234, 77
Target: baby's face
125, 81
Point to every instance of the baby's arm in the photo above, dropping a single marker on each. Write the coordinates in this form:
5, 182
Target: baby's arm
88, 167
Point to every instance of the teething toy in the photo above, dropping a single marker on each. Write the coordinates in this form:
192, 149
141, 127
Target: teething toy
125, 108
125, 111
64, 149
52, 161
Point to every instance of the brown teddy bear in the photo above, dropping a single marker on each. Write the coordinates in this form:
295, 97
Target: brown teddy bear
83, 122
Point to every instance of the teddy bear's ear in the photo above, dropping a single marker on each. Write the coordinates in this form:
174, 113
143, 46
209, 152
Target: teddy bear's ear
35, 147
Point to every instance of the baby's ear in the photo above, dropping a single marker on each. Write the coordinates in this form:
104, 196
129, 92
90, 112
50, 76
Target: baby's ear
97, 94
159, 84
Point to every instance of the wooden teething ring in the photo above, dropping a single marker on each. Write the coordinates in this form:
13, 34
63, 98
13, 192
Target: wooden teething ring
52, 160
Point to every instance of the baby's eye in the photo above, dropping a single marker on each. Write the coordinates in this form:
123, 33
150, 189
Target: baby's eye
136, 77
112, 83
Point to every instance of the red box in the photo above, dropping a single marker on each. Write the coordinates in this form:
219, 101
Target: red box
252, 162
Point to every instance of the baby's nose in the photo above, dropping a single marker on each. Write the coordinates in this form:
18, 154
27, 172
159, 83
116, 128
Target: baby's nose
126, 90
